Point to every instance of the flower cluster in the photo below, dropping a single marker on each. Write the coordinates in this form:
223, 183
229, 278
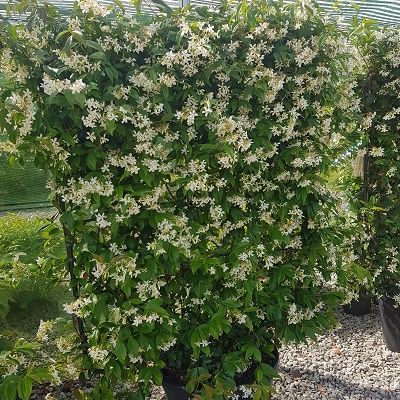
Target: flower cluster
54, 86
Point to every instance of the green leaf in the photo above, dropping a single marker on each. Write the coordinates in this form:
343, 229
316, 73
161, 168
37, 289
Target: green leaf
138, 6
25, 388
40, 375
91, 160
70, 97
10, 390
68, 45
94, 45
257, 355
269, 371
120, 351
120, 5
112, 368
8, 9
165, 92
146, 374
257, 395
110, 126
209, 391
133, 346
112, 73
68, 219
163, 6
98, 55
259, 374
154, 306
77, 98
157, 377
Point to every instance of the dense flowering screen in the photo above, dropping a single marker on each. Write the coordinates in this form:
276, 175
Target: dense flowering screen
187, 155
381, 108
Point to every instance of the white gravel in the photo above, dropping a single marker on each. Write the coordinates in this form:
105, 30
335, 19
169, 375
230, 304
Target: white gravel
349, 363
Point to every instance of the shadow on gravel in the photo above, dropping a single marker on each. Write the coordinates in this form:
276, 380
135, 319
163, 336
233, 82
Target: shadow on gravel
342, 386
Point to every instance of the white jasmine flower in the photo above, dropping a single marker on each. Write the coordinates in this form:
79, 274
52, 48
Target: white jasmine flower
98, 354
101, 221
92, 6
43, 331
377, 152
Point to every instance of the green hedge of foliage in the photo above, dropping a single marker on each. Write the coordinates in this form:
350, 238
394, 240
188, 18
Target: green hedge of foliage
186, 155
379, 86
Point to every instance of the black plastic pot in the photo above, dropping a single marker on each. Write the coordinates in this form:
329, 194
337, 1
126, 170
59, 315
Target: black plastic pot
390, 319
361, 306
175, 390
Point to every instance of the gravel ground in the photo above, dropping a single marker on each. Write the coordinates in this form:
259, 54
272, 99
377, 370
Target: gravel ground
349, 363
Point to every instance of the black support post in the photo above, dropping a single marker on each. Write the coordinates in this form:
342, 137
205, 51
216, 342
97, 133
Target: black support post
74, 284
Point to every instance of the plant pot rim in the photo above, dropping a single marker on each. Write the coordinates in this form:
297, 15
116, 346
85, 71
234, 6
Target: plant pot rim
386, 299
176, 377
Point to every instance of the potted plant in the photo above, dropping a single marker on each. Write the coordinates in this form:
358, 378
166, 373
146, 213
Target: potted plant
381, 120
236, 359
187, 154
359, 306
177, 387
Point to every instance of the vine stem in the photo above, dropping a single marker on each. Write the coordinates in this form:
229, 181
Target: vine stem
366, 172
366, 175
69, 245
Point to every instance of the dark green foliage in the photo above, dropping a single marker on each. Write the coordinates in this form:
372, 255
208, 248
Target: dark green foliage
379, 86
28, 292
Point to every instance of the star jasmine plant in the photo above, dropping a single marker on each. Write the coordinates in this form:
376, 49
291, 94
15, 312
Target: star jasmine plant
187, 153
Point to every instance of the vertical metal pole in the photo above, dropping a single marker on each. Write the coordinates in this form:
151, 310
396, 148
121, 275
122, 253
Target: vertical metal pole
365, 195
183, 3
